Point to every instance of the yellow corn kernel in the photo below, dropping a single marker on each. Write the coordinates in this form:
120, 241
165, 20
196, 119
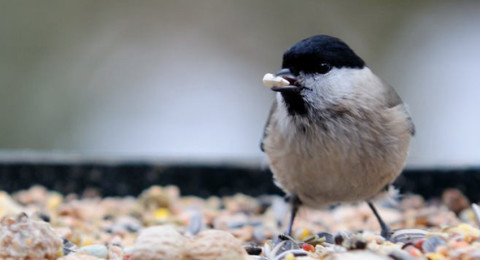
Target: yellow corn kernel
54, 201
87, 242
435, 256
161, 214
290, 256
305, 234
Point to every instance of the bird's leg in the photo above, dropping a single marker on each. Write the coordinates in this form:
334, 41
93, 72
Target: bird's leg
294, 203
385, 232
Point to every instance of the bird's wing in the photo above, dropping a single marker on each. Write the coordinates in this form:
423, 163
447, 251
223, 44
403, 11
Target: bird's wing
393, 100
274, 105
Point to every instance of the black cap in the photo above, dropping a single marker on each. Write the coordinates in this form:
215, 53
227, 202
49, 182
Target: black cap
311, 55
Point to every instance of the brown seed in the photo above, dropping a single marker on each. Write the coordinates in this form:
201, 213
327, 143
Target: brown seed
159, 242
455, 200
215, 244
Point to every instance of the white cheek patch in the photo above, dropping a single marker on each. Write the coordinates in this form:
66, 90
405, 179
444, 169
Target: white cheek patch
271, 81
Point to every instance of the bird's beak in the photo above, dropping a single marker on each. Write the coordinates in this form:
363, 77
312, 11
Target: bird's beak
282, 81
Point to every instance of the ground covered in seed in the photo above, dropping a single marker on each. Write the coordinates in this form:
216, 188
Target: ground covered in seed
162, 224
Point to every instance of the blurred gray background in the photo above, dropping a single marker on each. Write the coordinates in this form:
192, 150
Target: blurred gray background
182, 79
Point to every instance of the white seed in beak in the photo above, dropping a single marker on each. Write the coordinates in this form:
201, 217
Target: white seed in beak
271, 81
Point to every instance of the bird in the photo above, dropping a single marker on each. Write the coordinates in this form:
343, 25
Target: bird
336, 132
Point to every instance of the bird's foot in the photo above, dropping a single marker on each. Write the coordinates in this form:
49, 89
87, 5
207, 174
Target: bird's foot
385, 233
283, 245
319, 238
283, 237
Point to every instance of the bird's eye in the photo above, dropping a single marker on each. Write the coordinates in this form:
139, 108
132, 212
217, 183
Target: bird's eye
324, 68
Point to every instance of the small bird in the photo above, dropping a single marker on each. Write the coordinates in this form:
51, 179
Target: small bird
336, 132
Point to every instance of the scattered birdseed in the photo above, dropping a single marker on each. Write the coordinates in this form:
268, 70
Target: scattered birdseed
162, 224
